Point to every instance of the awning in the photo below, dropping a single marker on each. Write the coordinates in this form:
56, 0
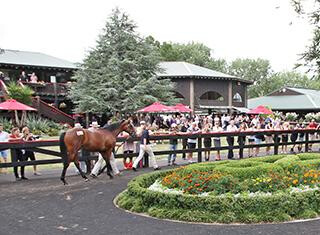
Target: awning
241, 109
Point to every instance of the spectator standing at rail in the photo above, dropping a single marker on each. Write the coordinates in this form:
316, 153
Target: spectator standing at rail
251, 140
312, 125
145, 147
27, 136
4, 136
192, 142
184, 129
207, 142
268, 137
23, 77
16, 137
285, 137
33, 78
243, 127
301, 138
173, 145
230, 139
258, 139
216, 139
294, 136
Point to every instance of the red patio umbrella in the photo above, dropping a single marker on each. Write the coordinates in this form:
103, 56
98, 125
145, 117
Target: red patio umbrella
182, 108
15, 105
260, 110
156, 107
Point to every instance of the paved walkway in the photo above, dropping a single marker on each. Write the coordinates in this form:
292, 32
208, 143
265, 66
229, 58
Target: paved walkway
44, 206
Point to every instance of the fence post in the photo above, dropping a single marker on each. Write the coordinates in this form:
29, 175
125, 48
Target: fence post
199, 147
241, 144
13, 153
276, 144
307, 143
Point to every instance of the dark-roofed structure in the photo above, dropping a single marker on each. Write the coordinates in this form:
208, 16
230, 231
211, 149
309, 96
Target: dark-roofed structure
12, 62
290, 99
206, 89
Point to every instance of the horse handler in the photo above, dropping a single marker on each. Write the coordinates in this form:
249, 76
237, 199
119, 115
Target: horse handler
145, 147
98, 166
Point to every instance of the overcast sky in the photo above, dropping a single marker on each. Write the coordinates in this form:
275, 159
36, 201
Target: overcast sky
268, 29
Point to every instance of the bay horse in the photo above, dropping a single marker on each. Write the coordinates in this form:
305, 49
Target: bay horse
102, 140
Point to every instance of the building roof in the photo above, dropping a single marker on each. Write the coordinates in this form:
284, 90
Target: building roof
35, 59
289, 98
184, 69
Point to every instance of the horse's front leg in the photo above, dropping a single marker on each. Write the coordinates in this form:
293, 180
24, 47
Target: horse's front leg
107, 156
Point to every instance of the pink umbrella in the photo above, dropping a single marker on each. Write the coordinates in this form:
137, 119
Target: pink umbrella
260, 110
15, 105
156, 107
182, 108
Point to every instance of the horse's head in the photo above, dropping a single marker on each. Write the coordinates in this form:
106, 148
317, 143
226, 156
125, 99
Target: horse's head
128, 127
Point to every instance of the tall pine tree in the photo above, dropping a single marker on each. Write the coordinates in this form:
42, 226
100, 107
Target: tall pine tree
119, 74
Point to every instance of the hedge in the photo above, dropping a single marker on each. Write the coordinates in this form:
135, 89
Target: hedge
280, 206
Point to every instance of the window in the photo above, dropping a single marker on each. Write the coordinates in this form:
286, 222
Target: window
237, 98
212, 95
178, 95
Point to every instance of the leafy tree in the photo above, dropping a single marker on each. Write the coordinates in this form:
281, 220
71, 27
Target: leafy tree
311, 57
22, 94
256, 70
291, 79
119, 73
194, 53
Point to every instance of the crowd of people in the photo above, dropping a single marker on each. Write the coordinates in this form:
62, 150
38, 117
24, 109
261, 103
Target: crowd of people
147, 125
20, 154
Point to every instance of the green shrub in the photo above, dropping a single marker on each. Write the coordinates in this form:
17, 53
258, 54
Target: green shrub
7, 124
278, 207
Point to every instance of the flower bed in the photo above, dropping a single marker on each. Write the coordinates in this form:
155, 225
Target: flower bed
268, 189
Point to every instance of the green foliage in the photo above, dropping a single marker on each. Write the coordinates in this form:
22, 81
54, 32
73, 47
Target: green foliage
7, 124
194, 53
311, 57
119, 74
278, 207
19, 93
39, 126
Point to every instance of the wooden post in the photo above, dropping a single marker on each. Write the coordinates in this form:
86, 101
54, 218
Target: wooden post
276, 144
306, 147
192, 94
230, 96
199, 147
241, 144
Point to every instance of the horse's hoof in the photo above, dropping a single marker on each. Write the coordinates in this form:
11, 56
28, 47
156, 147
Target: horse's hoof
86, 180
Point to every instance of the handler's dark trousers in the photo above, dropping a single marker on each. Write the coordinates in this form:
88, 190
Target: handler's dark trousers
230, 141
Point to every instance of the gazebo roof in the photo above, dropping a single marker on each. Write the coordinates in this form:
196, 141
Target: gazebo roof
184, 69
34, 59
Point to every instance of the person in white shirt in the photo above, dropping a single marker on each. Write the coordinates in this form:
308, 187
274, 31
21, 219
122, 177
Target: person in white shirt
216, 140
192, 142
4, 136
230, 139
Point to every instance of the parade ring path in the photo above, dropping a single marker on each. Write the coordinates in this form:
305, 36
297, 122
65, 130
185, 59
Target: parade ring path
42, 205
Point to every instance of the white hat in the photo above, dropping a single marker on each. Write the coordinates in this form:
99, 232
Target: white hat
94, 124
142, 122
77, 125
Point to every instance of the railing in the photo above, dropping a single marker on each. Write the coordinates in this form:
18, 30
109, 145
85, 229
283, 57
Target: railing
36, 146
51, 111
48, 89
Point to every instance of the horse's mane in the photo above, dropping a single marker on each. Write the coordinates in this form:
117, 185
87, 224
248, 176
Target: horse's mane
112, 127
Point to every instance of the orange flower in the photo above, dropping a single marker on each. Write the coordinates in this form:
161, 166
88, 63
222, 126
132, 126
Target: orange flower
189, 181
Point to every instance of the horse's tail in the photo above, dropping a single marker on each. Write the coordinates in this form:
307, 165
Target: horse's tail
63, 147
